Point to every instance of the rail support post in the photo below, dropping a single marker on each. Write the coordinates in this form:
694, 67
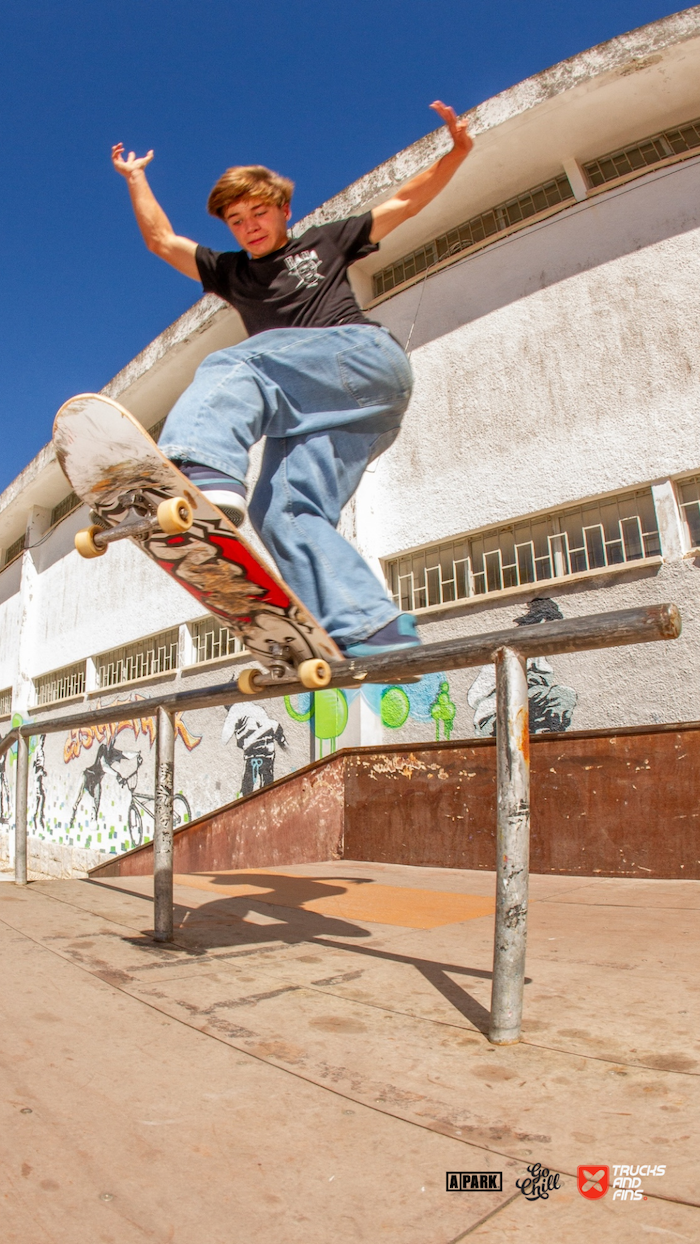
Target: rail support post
21, 810
512, 846
163, 833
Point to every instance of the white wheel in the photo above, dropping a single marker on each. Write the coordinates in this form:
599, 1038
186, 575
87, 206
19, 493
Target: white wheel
175, 515
248, 681
314, 674
85, 542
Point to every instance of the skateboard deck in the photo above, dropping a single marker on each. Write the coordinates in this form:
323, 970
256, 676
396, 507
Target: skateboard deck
119, 471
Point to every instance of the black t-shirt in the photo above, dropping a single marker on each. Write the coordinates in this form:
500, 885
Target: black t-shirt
304, 284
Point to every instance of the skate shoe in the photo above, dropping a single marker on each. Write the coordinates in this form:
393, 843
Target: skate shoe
392, 637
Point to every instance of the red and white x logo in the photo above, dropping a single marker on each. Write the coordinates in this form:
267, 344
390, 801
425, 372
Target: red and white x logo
593, 1181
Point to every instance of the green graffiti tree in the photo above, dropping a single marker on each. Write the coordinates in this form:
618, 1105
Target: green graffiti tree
443, 709
328, 713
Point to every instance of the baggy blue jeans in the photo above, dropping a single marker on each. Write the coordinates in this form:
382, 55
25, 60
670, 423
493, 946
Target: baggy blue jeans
329, 401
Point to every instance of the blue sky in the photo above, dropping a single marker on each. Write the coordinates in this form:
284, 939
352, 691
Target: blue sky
321, 90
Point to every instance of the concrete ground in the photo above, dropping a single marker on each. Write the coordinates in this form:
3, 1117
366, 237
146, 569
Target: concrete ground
307, 1061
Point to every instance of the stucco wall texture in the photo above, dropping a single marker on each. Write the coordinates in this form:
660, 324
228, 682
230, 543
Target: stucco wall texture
558, 363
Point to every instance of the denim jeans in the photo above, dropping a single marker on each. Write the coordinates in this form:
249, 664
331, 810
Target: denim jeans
329, 401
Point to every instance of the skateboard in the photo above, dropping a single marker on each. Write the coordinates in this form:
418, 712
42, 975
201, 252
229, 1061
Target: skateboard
136, 493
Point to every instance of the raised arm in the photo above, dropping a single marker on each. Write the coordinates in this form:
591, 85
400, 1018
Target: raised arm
420, 190
157, 231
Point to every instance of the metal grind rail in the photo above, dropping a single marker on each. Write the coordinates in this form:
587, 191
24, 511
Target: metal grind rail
509, 650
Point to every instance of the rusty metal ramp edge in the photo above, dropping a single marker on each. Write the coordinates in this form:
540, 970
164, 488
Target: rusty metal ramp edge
623, 802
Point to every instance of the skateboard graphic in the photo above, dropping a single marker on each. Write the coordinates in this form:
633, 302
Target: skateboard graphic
135, 492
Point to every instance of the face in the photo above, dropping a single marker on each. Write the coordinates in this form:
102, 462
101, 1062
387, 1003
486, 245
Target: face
258, 227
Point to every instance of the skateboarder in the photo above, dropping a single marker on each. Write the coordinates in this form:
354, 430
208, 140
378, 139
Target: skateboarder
326, 386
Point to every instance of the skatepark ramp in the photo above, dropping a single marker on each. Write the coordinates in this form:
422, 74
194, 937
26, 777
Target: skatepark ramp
508, 650
433, 805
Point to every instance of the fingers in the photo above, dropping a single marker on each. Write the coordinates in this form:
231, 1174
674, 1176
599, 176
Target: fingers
131, 162
459, 130
443, 110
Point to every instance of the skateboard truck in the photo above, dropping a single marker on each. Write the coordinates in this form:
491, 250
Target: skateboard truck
172, 516
313, 674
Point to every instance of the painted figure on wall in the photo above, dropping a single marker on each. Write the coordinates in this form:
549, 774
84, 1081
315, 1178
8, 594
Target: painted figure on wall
40, 775
551, 703
257, 734
132, 820
125, 766
5, 801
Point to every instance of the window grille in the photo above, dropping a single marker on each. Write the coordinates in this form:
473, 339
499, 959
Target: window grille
15, 549
65, 507
610, 532
61, 684
155, 655
6, 702
213, 639
478, 229
157, 428
689, 497
643, 154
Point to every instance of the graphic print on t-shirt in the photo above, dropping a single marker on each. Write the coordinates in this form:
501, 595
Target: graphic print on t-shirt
304, 284
305, 267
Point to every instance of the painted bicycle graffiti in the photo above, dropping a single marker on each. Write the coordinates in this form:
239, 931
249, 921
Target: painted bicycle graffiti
142, 803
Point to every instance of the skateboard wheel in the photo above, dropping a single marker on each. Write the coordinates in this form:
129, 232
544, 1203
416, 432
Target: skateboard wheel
175, 515
313, 674
85, 542
248, 681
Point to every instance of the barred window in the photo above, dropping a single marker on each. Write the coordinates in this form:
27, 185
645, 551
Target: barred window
478, 229
156, 655
643, 155
65, 507
592, 536
6, 702
212, 639
689, 497
15, 549
61, 684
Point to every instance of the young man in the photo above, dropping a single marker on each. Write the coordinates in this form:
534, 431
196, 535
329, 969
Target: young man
324, 385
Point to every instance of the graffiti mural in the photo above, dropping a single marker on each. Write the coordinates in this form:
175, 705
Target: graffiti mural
131, 815
551, 703
328, 711
258, 735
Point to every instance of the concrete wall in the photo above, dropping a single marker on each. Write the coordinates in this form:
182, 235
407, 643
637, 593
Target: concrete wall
573, 341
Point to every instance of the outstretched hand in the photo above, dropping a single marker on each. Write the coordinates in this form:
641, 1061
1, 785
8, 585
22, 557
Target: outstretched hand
459, 131
132, 163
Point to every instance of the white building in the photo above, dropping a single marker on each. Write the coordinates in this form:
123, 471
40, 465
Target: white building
550, 299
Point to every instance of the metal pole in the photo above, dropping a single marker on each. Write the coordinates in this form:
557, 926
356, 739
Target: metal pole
512, 846
21, 810
163, 834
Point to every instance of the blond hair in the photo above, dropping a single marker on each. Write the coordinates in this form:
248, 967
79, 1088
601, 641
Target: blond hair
249, 181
